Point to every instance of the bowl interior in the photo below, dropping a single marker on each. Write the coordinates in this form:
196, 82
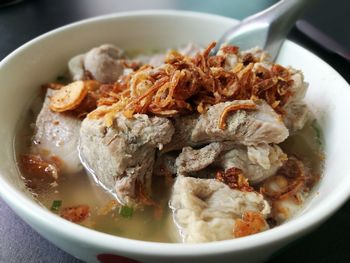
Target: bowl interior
41, 60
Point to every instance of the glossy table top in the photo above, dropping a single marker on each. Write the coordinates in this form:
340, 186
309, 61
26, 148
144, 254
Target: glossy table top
21, 22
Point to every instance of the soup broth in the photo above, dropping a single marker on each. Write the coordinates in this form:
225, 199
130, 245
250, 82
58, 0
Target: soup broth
77, 189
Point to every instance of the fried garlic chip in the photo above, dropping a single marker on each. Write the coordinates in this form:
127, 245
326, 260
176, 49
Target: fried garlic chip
68, 97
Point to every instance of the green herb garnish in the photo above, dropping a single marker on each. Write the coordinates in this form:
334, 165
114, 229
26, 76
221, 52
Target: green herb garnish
56, 204
126, 211
318, 132
62, 79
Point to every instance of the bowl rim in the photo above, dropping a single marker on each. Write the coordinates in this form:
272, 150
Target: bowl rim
88, 237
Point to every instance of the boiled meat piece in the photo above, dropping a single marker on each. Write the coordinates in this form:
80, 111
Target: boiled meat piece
207, 210
297, 115
104, 63
296, 111
257, 162
252, 127
191, 160
123, 154
184, 126
76, 67
262, 125
298, 88
56, 136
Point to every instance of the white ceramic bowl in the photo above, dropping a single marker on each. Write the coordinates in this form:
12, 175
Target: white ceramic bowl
42, 59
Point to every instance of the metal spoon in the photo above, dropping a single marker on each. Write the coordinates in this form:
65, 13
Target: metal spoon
266, 29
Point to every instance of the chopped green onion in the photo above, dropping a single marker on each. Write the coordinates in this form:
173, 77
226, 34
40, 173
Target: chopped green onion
126, 211
56, 204
318, 132
61, 79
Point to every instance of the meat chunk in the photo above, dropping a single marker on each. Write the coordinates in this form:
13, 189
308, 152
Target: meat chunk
123, 154
297, 115
299, 86
256, 162
184, 126
253, 127
266, 155
207, 210
56, 136
76, 67
104, 63
296, 111
191, 160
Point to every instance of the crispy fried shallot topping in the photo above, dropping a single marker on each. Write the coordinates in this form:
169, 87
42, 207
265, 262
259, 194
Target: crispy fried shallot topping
251, 223
77, 98
287, 182
235, 179
68, 97
184, 84
230, 108
75, 214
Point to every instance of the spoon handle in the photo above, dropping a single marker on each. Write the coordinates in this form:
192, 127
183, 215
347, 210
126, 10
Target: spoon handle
323, 40
284, 10
268, 28
281, 17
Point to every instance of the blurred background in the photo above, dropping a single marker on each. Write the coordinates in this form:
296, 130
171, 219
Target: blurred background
22, 20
